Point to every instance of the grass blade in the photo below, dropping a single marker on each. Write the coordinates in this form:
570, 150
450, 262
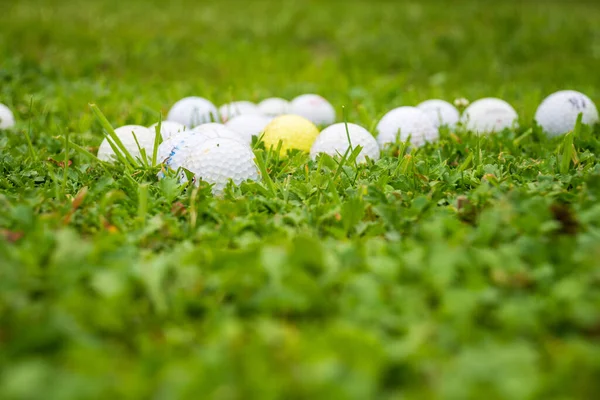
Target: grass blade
113, 139
142, 203
157, 140
262, 167
66, 161
28, 133
568, 148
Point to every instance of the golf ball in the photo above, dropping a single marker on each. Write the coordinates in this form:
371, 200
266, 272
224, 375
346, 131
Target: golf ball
173, 151
294, 132
7, 119
235, 108
219, 160
128, 135
314, 108
209, 126
558, 112
489, 115
333, 140
192, 111
168, 128
274, 106
248, 125
402, 122
440, 112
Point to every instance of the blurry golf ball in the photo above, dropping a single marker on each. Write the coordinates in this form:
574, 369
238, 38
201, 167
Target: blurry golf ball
128, 135
402, 122
168, 128
293, 131
558, 112
173, 151
248, 125
440, 112
7, 119
274, 106
314, 108
210, 127
216, 161
230, 110
333, 140
193, 111
489, 115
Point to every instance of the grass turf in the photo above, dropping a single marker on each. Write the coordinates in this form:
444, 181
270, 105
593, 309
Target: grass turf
468, 268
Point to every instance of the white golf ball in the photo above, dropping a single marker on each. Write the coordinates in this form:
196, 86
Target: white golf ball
489, 115
219, 160
128, 135
333, 140
274, 106
168, 128
558, 112
314, 108
248, 125
440, 112
213, 131
7, 119
402, 122
208, 126
192, 111
235, 108
173, 151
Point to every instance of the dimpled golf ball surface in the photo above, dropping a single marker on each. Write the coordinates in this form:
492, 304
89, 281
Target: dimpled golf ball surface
7, 120
248, 125
402, 122
558, 112
314, 108
489, 115
333, 140
235, 108
173, 151
168, 128
293, 131
440, 112
193, 111
144, 136
217, 161
274, 106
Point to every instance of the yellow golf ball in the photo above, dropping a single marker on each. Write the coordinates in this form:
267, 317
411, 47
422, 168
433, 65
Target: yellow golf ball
295, 132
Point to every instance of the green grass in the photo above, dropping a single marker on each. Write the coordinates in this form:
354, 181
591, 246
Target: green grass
465, 269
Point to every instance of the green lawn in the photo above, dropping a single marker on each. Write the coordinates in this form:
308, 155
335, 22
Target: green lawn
469, 268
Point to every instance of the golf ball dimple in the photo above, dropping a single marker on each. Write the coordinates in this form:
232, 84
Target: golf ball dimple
440, 112
235, 108
489, 115
248, 125
7, 119
333, 140
314, 108
193, 111
274, 106
219, 160
168, 128
210, 127
557, 114
294, 132
402, 122
173, 151
128, 135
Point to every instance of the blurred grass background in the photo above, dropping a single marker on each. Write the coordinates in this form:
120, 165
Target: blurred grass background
144, 55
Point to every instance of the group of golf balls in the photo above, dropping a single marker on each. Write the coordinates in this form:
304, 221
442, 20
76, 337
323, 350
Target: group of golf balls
215, 143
